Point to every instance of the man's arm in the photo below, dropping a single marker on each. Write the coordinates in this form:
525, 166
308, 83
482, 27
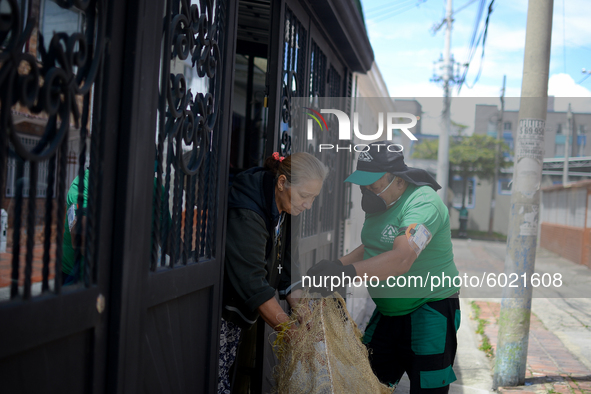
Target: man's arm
74, 234
394, 262
353, 257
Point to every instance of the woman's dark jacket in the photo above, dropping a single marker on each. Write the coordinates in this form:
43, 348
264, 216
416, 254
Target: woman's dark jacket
253, 256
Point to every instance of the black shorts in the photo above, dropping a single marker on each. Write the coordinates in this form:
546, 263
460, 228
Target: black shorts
423, 344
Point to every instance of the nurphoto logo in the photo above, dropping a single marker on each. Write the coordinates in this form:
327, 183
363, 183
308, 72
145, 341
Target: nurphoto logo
344, 128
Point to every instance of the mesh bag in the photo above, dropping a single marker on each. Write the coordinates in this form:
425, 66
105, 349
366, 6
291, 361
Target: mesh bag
322, 351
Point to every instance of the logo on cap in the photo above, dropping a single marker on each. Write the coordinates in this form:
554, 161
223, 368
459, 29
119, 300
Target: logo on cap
364, 156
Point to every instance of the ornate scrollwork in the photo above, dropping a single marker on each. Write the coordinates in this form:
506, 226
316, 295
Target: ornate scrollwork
290, 89
285, 143
67, 70
288, 114
191, 119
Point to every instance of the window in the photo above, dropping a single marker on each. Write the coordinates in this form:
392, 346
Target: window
491, 128
11, 181
6, 15
456, 187
559, 129
58, 19
559, 150
507, 126
504, 186
581, 129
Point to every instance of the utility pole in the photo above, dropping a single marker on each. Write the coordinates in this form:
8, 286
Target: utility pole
448, 78
491, 218
568, 132
515, 314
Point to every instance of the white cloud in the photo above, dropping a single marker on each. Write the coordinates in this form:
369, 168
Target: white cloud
481, 90
405, 50
413, 90
563, 85
503, 39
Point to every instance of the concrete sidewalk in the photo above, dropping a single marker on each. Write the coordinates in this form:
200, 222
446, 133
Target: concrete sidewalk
559, 351
472, 367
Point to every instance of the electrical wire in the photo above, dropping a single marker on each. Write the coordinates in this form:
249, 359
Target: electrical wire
394, 13
482, 38
473, 42
399, 11
376, 11
564, 34
584, 78
464, 6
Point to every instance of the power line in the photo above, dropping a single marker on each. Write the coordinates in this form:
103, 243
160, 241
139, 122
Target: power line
473, 42
482, 37
397, 12
464, 6
585, 77
376, 11
564, 34
392, 13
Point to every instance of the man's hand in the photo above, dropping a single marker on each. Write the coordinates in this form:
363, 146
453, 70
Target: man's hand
326, 274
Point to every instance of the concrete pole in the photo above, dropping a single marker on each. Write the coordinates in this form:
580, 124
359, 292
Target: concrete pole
491, 219
568, 132
443, 149
515, 314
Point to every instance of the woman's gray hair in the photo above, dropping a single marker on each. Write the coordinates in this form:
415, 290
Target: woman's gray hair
305, 167
297, 168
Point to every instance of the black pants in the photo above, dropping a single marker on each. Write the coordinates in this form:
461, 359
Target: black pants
423, 344
463, 226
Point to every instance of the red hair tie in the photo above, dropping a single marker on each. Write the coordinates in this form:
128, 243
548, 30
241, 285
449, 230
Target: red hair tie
277, 157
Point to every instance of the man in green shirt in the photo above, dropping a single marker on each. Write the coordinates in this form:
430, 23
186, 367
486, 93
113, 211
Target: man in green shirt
71, 271
406, 247
463, 232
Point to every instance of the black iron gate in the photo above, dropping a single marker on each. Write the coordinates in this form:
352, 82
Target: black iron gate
142, 90
52, 90
303, 63
114, 286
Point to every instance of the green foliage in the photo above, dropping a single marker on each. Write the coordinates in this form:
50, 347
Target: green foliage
475, 156
468, 156
426, 149
485, 346
481, 235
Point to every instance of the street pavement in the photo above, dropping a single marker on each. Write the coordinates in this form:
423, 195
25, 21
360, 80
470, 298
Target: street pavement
559, 350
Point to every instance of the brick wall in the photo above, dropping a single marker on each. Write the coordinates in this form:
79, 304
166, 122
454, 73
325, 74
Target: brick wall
586, 258
566, 241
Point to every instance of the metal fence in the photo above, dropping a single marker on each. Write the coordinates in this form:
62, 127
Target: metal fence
564, 206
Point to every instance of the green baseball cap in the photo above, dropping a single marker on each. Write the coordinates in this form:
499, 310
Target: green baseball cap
364, 178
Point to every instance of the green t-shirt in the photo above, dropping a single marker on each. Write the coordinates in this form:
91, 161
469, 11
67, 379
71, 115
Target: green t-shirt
417, 205
71, 201
68, 256
463, 213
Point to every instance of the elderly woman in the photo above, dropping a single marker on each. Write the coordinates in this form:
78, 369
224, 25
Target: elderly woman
258, 249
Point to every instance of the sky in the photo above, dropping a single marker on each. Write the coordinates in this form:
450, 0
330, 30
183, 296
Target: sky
405, 48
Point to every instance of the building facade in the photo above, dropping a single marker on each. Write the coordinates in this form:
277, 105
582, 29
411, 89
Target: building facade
158, 110
485, 122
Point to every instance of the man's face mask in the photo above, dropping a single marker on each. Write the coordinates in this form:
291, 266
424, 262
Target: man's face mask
372, 202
